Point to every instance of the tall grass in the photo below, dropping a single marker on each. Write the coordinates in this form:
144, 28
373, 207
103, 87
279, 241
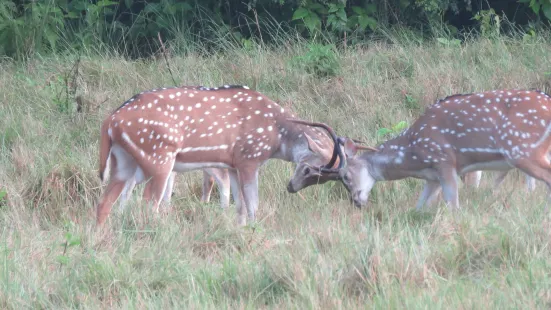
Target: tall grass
312, 250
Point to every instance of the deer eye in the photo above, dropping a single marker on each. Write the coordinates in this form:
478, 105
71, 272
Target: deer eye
306, 171
345, 178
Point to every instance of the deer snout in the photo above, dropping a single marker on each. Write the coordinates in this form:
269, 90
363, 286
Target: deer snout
358, 199
291, 188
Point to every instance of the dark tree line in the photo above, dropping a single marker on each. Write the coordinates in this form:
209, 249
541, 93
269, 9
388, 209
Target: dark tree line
132, 26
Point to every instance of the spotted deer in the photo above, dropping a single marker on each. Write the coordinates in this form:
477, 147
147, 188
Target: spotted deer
159, 132
495, 130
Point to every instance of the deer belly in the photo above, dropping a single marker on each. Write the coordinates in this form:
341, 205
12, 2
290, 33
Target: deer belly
473, 158
194, 158
184, 167
495, 165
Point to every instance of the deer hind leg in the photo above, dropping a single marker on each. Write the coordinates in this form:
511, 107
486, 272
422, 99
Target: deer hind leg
222, 178
224, 188
123, 170
169, 187
157, 186
429, 194
472, 178
109, 197
500, 177
208, 183
537, 169
126, 193
237, 197
530, 183
448, 181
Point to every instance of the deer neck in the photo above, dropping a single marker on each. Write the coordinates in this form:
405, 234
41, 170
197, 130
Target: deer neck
396, 160
293, 145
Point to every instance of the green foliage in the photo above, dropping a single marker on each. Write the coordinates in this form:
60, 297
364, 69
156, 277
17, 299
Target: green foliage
33, 28
132, 27
392, 132
537, 6
411, 103
320, 60
490, 22
7, 138
335, 17
310, 15
71, 240
449, 42
3, 196
529, 35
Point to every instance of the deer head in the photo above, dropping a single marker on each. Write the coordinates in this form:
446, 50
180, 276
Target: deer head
308, 171
344, 153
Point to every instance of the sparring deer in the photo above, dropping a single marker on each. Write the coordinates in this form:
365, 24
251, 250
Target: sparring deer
179, 129
495, 130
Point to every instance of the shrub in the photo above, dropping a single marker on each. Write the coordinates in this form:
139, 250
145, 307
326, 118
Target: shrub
320, 60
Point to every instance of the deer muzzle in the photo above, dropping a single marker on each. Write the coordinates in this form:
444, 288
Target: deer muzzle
291, 188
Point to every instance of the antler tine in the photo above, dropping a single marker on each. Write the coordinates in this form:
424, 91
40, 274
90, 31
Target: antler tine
369, 148
337, 151
361, 147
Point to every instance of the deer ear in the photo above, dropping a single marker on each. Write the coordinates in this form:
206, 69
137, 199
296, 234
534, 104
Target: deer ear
350, 148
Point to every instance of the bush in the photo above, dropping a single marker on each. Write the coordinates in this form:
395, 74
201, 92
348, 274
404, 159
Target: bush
320, 60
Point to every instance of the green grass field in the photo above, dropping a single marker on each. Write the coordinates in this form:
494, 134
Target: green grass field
312, 250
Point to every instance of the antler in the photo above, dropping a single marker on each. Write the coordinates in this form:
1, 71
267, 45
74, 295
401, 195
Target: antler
369, 148
337, 151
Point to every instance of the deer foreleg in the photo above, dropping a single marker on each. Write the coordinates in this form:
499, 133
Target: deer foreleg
429, 194
248, 179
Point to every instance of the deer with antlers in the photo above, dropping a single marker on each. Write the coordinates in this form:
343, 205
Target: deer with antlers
159, 132
495, 130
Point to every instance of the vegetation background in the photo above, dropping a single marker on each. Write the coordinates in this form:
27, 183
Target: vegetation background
368, 68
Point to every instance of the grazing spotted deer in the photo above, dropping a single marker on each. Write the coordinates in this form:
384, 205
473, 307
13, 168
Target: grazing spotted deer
179, 129
496, 130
